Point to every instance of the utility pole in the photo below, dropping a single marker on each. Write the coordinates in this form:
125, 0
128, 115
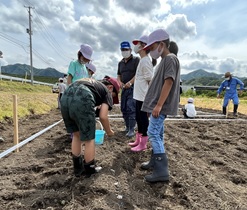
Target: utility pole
29, 31
1, 56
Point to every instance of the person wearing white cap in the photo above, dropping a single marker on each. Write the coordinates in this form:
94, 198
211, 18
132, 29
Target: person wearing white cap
162, 99
91, 69
189, 110
61, 87
143, 76
77, 68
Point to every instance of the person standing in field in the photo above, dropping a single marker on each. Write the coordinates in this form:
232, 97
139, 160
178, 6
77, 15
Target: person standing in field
77, 68
61, 87
230, 86
143, 76
162, 99
126, 76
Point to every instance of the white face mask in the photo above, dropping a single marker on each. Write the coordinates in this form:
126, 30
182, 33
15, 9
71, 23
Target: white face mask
137, 48
126, 54
155, 54
228, 78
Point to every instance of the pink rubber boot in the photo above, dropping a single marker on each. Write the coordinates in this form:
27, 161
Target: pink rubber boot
137, 141
142, 145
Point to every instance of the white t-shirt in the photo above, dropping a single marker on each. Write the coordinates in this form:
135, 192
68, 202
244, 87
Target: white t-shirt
190, 110
61, 87
144, 74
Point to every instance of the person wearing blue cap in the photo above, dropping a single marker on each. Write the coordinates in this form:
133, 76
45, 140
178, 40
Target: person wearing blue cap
126, 77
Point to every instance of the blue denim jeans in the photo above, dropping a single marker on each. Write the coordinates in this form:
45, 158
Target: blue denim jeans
156, 133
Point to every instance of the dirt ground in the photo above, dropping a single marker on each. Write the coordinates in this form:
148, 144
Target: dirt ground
207, 163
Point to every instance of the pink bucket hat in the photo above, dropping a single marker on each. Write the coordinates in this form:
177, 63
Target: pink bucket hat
86, 51
91, 67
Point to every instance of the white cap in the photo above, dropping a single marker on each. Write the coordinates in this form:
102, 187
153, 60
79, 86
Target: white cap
156, 36
91, 67
86, 51
143, 38
190, 100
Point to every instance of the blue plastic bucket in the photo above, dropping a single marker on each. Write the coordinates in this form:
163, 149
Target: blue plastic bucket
99, 136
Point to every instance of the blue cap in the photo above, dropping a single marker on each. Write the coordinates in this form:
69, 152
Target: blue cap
125, 45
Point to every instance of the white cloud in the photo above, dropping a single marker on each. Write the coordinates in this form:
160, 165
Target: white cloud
186, 3
207, 36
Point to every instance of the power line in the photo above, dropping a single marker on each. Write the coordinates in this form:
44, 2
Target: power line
50, 37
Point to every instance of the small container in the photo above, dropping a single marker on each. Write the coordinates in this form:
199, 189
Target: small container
99, 135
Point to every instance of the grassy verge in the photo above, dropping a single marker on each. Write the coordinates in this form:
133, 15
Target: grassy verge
31, 99
37, 99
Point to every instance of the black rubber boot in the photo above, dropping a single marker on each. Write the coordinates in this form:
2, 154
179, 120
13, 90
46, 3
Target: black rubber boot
78, 165
149, 164
224, 110
235, 110
160, 169
89, 168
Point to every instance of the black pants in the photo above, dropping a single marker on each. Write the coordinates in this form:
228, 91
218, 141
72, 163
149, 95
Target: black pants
141, 119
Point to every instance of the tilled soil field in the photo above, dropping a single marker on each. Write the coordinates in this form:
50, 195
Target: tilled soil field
207, 163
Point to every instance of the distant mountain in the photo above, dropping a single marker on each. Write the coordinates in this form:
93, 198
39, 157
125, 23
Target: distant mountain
204, 78
21, 69
200, 73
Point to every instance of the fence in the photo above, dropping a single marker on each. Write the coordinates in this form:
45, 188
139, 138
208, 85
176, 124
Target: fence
23, 80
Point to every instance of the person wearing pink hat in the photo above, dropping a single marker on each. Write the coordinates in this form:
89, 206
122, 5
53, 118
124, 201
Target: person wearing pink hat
91, 69
162, 99
78, 111
143, 76
77, 68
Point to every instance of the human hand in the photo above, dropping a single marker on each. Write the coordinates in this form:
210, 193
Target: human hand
110, 133
240, 92
156, 111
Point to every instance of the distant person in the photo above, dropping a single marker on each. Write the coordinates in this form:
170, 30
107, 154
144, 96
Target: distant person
77, 69
65, 78
181, 88
61, 87
162, 99
189, 110
230, 86
143, 76
126, 77
78, 111
91, 68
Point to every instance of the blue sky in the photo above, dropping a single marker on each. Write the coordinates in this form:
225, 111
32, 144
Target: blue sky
211, 34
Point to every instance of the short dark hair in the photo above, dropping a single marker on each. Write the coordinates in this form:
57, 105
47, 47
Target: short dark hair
173, 48
79, 54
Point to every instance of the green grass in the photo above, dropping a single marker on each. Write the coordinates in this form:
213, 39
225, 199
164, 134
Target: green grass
31, 99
